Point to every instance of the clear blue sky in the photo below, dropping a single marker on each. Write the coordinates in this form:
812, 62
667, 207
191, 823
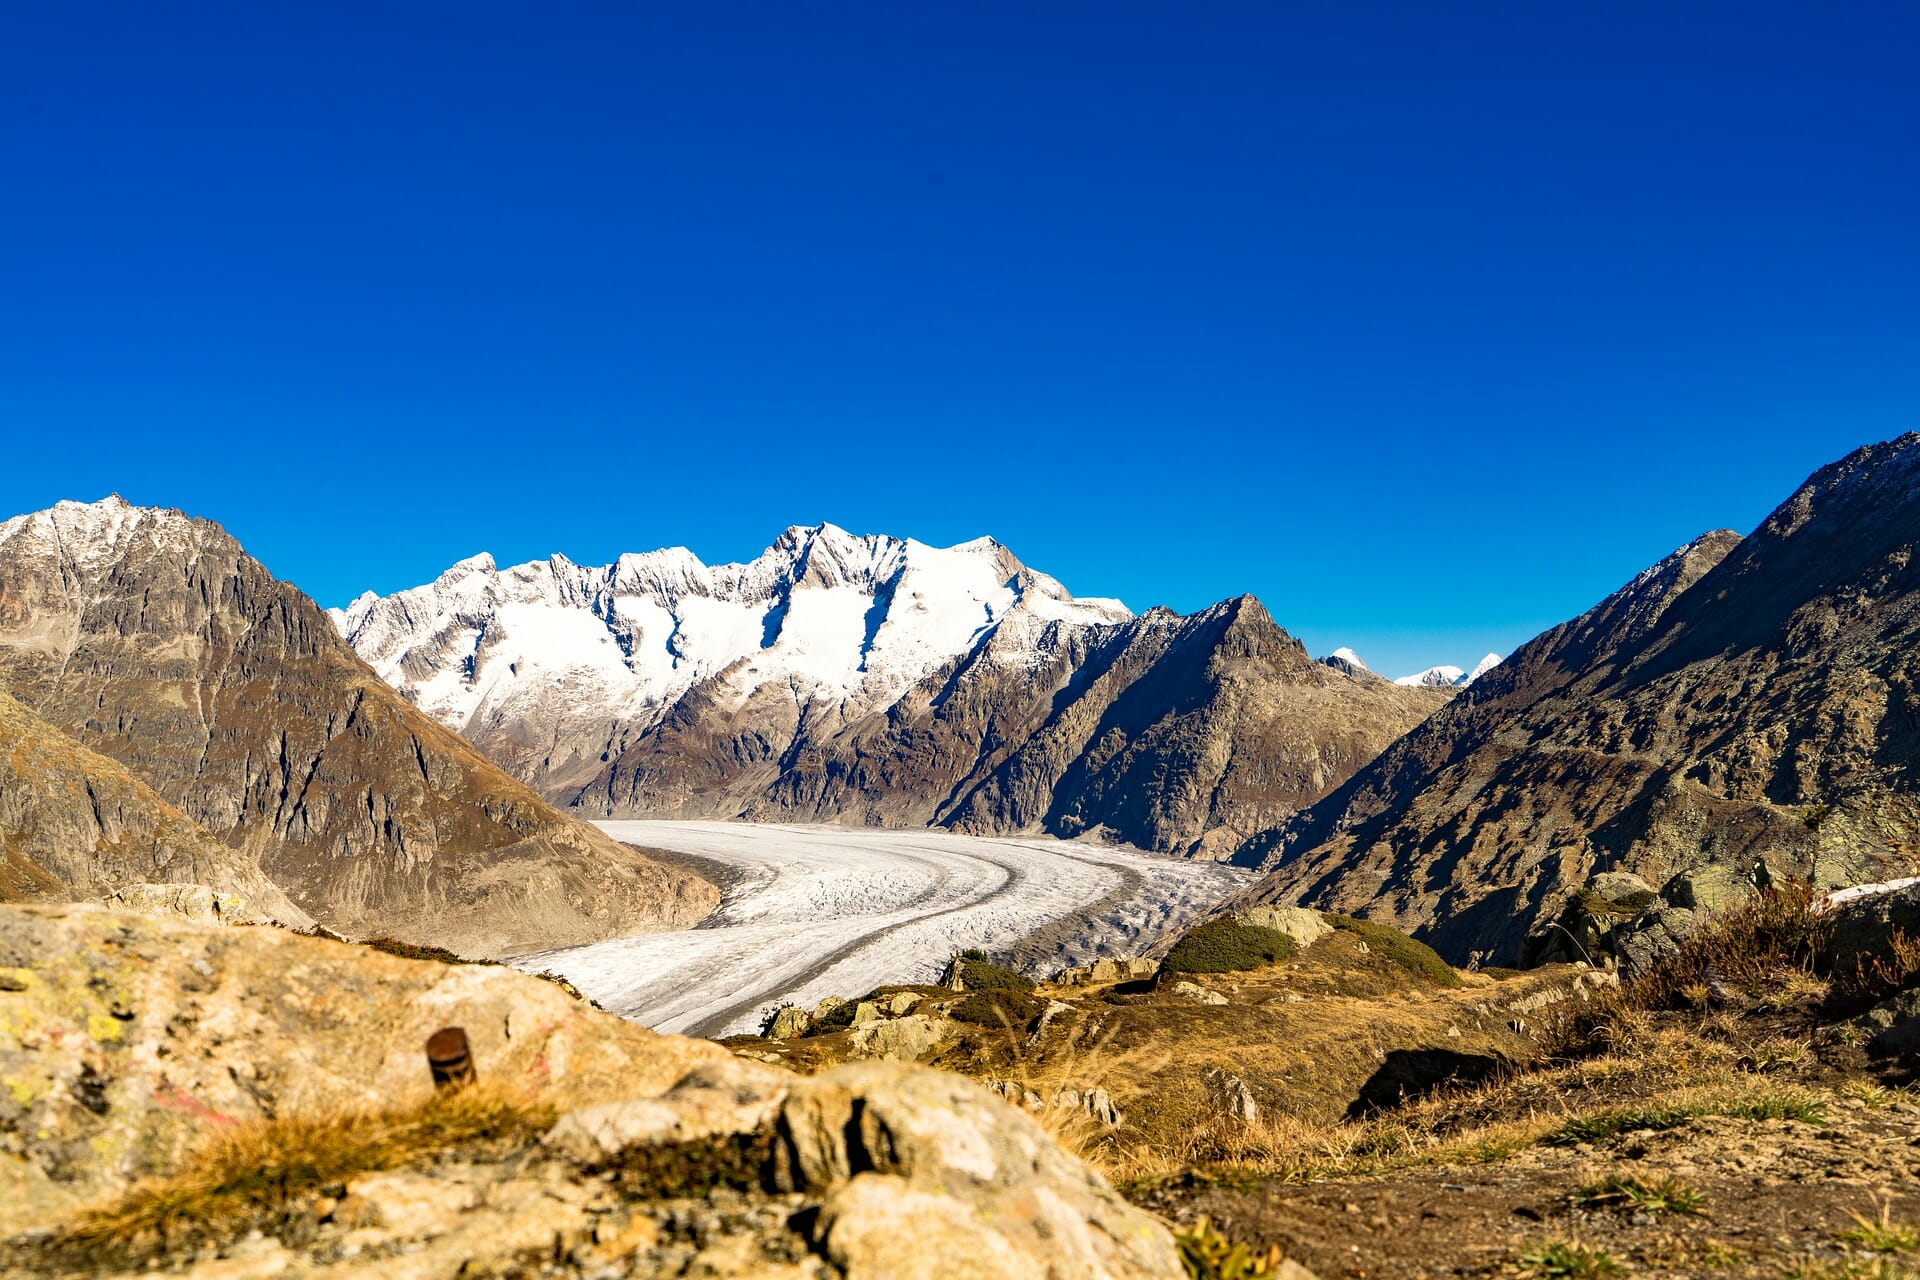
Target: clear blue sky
1427, 324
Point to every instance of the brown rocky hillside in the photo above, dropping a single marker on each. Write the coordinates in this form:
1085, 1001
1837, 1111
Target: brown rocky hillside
152, 638
1745, 699
75, 824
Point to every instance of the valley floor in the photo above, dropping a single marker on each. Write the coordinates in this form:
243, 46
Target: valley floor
820, 910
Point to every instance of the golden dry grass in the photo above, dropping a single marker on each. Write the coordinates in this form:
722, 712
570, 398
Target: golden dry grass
256, 1173
1670, 1078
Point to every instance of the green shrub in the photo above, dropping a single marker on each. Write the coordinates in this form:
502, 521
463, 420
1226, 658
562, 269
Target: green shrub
1004, 1007
977, 973
1221, 946
1557, 1259
418, 951
1415, 957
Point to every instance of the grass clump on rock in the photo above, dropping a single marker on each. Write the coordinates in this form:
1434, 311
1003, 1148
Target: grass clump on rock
1391, 944
258, 1173
1222, 946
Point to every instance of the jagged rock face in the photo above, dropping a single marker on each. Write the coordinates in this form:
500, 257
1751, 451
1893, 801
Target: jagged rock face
154, 639
75, 824
1708, 713
975, 693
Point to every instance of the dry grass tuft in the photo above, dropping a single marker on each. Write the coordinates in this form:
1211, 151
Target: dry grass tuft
259, 1173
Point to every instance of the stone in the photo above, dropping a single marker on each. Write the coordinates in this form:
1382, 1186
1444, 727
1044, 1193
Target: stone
1232, 1095
1141, 969
194, 902
1029, 1206
864, 1012
1649, 937
1303, 926
1195, 992
788, 1022
902, 1002
827, 1006
719, 1097
879, 1228
908, 1039
1895, 1023
1714, 887
1865, 919
1622, 888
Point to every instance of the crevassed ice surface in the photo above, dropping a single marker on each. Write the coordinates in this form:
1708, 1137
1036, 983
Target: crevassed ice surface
824, 910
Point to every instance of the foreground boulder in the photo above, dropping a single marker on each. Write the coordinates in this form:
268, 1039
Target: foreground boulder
128, 1041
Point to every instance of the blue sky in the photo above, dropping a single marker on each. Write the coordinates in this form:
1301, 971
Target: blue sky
1427, 327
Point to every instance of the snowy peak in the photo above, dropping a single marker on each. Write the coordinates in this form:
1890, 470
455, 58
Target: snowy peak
824, 614
1451, 677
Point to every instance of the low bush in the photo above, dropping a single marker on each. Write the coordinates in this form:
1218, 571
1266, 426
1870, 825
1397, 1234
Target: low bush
977, 973
1209, 1255
1221, 946
1749, 944
1004, 1007
1387, 941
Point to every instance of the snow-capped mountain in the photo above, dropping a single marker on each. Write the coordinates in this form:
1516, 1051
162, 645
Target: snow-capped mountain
1445, 677
877, 680
557, 654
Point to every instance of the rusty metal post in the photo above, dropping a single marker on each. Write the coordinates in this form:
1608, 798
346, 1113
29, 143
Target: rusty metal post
449, 1059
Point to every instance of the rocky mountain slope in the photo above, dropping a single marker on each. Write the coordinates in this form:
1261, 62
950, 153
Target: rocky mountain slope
75, 824
871, 680
152, 638
1743, 699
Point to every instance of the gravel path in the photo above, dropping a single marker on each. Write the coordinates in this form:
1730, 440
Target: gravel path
823, 910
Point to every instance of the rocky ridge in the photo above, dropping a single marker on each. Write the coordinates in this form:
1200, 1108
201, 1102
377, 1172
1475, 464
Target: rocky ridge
152, 638
1742, 699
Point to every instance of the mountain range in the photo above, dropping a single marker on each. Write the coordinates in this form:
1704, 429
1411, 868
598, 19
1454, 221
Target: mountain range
420, 764
880, 681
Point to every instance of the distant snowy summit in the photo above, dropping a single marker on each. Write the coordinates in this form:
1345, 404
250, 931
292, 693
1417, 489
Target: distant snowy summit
1443, 677
827, 615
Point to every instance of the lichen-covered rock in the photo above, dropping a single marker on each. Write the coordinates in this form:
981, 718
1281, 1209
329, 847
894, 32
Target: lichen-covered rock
124, 1038
787, 1022
1713, 887
908, 1039
1195, 992
1303, 926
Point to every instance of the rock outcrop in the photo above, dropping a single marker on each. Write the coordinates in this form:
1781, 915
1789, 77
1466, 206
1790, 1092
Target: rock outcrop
125, 1039
1743, 699
973, 693
152, 638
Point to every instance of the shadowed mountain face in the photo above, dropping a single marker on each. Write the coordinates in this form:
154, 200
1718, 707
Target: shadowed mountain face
152, 638
75, 824
1744, 699
1172, 733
